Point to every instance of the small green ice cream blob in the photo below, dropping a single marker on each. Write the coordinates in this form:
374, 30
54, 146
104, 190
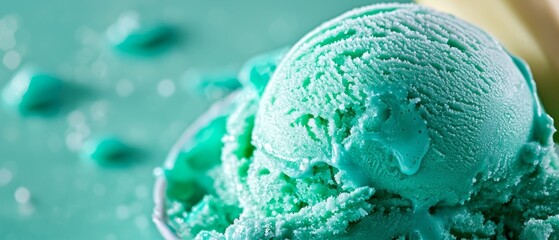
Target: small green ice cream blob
131, 35
32, 92
107, 151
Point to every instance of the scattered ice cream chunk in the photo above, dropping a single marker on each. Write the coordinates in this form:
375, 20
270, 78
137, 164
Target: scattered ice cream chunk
33, 92
107, 151
132, 35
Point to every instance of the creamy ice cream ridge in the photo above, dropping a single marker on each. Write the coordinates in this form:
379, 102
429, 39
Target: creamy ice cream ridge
390, 121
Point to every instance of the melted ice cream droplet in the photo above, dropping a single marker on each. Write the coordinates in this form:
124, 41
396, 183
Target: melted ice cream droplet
129, 34
33, 92
543, 129
404, 131
107, 150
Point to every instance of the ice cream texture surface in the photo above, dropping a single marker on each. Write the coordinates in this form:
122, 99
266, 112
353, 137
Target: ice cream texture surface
389, 121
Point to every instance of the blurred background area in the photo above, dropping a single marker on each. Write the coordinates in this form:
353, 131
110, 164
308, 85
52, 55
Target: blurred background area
94, 94
86, 82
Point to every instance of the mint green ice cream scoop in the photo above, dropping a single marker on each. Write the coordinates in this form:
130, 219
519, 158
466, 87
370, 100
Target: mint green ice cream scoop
389, 122
403, 99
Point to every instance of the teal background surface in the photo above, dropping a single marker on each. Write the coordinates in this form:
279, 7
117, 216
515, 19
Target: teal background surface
48, 189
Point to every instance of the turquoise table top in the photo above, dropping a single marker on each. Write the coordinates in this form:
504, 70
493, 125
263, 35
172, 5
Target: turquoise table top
96, 92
